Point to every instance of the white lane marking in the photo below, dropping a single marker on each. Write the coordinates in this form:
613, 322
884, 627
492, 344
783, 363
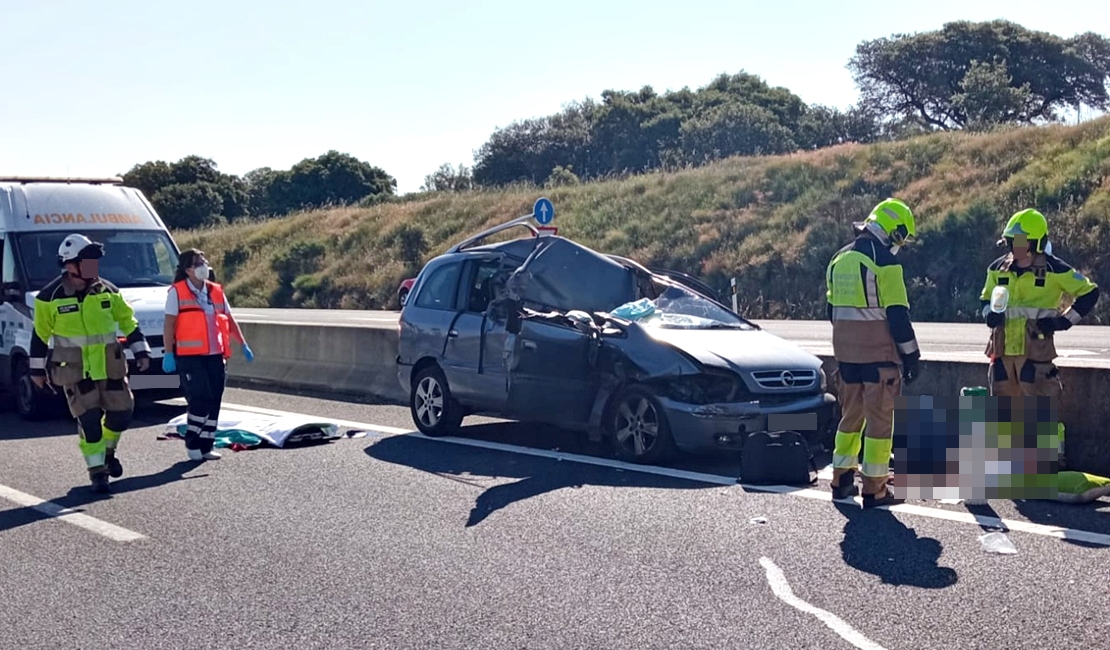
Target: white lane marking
515, 449
950, 515
781, 588
1072, 353
67, 515
1070, 357
808, 493
265, 411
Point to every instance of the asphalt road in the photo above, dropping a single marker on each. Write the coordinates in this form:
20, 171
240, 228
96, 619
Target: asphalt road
393, 540
1083, 345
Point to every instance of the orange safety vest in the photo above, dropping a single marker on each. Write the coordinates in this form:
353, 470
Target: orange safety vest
191, 333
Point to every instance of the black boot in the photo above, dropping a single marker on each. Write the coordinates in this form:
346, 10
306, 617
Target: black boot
115, 469
99, 478
844, 485
877, 493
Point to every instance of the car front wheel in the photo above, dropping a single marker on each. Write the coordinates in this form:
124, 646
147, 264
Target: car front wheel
638, 428
433, 409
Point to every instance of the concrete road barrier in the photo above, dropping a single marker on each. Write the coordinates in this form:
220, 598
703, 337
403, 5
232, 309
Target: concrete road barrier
351, 360
359, 361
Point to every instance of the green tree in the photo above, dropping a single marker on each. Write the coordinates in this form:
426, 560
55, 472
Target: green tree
149, 177
823, 126
189, 205
974, 73
335, 179
637, 131
988, 96
449, 179
734, 129
561, 176
153, 178
528, 150
267, 191
195, 169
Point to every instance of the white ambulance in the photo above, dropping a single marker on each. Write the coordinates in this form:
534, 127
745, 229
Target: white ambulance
140, 257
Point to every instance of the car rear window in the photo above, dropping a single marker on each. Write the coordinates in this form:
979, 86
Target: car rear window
438, 291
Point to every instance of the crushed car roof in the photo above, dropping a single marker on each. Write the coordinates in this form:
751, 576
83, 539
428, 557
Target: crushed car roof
560, 274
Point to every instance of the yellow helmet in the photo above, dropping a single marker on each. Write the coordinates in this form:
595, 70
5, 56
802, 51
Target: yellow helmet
894, 221
1029, 225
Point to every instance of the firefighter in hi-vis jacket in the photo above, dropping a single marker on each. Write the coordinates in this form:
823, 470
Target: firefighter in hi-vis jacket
81, 312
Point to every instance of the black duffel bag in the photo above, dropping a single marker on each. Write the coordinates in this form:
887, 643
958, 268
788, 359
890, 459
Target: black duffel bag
777, 458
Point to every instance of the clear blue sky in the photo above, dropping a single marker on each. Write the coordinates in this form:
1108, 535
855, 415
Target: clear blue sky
92, 88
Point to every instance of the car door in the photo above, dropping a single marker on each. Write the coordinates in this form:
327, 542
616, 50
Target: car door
551, 378
430, 314
474, 375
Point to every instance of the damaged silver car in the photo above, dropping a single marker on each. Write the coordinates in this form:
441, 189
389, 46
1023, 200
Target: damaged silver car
542, 329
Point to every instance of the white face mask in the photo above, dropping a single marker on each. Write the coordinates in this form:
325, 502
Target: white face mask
201, 272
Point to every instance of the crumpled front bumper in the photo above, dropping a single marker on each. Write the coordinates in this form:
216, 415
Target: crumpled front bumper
709, 427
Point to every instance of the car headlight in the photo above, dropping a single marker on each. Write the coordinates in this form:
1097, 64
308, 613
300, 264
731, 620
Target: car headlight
705, 388
824, 379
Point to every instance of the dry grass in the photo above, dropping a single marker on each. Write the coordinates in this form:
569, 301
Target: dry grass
773, 222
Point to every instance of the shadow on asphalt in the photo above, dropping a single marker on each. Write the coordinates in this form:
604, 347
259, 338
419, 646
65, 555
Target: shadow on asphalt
551, 438
536, 476
13, 427
79, 496
1093, 517
876, 542
545, 436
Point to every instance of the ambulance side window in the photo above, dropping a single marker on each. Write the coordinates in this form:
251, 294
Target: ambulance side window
7, 260
7, 266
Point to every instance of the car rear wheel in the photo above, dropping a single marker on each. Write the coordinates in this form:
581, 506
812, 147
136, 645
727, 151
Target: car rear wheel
403, 297
638, 428
433, 409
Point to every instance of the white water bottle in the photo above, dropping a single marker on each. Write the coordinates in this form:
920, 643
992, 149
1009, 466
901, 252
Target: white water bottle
1000, 297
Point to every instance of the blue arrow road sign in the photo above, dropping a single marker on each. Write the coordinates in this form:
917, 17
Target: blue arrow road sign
543, 211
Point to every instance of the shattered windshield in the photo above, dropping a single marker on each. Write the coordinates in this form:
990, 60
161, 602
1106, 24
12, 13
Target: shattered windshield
679, 308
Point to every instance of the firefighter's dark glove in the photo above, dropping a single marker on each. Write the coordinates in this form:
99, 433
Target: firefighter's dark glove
910, 368
995, 319
1056, 324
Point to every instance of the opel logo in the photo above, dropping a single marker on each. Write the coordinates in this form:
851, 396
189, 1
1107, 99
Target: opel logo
787, 378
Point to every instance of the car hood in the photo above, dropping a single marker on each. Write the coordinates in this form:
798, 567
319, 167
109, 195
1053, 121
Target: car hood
738, 350
149, 304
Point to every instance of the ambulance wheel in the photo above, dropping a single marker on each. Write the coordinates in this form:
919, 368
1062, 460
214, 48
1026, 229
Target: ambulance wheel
30, 401
433, 409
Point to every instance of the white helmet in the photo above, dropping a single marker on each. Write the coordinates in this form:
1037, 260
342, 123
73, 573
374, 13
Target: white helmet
78, 247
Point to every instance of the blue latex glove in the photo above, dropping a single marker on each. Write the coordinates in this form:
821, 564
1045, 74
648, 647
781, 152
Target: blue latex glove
247, 353
169, 364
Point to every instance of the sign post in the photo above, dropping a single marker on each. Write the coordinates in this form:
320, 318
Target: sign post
735, 307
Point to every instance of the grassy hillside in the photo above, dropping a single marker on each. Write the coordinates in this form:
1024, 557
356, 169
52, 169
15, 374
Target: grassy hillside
773, 222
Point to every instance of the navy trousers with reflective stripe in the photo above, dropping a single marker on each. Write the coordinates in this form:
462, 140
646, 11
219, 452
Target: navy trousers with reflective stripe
202, 380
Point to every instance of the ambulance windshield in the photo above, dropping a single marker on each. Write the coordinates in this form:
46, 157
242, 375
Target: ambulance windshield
132, 258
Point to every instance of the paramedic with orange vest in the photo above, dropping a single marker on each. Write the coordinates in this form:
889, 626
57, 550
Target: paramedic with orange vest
198, 329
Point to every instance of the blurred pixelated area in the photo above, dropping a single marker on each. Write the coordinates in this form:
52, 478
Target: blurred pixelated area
976, 447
